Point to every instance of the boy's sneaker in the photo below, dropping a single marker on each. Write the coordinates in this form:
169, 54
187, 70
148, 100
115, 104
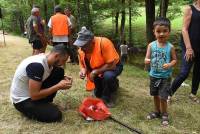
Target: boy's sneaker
194, 98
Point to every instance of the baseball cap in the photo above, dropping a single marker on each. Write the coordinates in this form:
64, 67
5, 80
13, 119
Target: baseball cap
84, 36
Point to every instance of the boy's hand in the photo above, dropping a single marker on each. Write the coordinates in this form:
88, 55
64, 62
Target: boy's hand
147, 61
166, 66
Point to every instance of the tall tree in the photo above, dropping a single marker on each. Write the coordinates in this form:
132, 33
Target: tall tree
163, 8
123, 19
45, 10
78, 3
130, 22
88, 16
117, 23
150, 17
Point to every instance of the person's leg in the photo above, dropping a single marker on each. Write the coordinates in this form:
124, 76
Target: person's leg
37, 46
109, 85
184, 72
156, 99
196, 74
40, 111
164, 93
57, 74
157, 102
98, 87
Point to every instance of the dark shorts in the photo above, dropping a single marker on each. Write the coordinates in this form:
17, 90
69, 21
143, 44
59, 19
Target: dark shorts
36, 44
160, 87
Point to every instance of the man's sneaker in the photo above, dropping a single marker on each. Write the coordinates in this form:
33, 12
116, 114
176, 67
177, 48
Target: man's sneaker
169, 100
109, 104
194, 98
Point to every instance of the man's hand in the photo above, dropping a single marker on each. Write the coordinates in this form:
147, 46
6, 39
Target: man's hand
82, 73
65, 84
93, 74
68, 78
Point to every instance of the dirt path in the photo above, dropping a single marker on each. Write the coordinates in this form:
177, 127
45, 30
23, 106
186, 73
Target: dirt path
16, 49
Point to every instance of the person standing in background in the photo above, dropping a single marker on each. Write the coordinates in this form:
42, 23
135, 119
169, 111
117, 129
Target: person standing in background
190, 45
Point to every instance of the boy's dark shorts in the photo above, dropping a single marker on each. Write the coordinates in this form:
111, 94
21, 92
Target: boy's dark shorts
36, 44
160, 87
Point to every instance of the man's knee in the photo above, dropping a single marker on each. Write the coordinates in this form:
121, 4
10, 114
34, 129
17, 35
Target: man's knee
109, 76
56, 117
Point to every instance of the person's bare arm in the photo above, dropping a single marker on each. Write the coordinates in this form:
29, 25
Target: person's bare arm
147, 59
105, 67
37, 93
186, 22
173, 61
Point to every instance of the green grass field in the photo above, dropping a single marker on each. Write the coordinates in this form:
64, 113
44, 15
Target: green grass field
133, 103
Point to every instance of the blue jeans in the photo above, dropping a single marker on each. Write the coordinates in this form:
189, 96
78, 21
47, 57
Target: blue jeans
106, 85
185, 70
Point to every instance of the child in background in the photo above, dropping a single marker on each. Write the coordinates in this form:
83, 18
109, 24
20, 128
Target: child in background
161, 56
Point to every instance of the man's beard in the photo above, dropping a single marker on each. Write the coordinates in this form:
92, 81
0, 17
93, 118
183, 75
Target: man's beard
56, 64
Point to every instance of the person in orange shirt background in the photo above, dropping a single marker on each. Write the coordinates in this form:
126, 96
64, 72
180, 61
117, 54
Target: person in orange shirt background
59, 27
100, 63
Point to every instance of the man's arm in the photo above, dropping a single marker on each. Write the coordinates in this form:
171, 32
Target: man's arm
37, 93
35, 73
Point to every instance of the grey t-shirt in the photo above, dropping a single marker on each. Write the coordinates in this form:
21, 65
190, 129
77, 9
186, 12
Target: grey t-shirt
124, 49
31, 34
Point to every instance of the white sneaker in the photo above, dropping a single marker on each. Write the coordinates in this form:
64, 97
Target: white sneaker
169, 100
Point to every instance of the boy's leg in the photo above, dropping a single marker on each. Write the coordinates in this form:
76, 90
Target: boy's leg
157, 102
154, 92
164, 93
154, 87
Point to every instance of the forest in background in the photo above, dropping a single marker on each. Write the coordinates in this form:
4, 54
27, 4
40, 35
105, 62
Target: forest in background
120, 14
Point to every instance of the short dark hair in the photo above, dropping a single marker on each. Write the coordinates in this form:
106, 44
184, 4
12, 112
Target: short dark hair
57, 8
62, 49
162, 21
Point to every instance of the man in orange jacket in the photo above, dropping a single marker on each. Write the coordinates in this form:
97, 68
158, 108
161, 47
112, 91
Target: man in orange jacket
59, 27
100, 62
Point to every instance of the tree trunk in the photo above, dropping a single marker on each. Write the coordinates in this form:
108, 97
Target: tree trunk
117, 23
21, 23
122, 29
89, 23
163, 8
56, 2
78, 14
45, 11
130, 23
150, 17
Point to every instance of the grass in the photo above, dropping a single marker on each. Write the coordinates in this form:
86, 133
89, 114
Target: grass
133, 103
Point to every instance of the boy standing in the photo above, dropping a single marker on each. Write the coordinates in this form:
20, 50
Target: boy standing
161, 56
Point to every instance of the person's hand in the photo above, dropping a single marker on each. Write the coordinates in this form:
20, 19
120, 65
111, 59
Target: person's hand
147, 61
166, 66
82, 73
189, 54
93, 74
64, 84
68, 78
